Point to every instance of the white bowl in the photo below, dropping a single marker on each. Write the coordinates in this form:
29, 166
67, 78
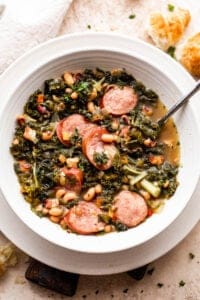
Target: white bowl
155, 69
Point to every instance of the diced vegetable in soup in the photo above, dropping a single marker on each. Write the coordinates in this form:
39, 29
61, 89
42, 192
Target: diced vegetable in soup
89, 154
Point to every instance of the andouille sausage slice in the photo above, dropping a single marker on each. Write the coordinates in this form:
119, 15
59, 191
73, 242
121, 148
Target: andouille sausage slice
119, 100
92, 145
84, 218
130, 208
67, 126
73, 178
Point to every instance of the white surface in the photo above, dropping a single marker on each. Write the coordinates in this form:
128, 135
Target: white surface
145, 68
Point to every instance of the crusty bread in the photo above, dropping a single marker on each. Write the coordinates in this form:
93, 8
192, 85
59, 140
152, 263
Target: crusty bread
166, 31
190, 56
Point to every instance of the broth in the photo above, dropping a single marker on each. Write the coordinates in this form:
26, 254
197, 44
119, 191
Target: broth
169, 135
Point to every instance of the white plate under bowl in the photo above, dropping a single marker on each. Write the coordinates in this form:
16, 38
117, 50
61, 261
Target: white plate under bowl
155, 69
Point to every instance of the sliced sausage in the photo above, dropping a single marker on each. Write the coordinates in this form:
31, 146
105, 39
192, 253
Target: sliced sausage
84, 218
73, 178
131, 208
92, 145
119, 100
67, 126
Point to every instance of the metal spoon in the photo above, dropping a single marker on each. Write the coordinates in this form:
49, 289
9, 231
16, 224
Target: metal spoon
180, 103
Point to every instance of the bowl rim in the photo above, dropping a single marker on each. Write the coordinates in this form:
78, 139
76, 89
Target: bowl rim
116, 47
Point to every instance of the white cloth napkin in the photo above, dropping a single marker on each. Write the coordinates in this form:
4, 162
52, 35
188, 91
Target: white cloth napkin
24, 24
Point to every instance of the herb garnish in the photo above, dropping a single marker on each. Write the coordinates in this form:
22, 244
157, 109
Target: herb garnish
89, 26
132, 16
100, 158
75, 139
171, 51
191, 255
71, 180
82, 86
159, 284
181, 283
170, 7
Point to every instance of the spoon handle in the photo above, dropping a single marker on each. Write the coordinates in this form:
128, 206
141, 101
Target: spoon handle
177, 105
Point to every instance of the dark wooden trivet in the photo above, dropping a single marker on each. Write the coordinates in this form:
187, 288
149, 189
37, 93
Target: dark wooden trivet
51, 278
64, 282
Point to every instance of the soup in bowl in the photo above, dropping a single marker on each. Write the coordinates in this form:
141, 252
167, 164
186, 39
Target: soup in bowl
98, 174
89, 154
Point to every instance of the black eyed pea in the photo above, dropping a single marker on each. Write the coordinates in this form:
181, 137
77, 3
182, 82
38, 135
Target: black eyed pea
72, 162
108, 228
115, 124
89, 195
109, 138
60, 193
98, 189
39, 208
91, 107
69, 196
62, 158
93, 94
68, 90
54, 219
74, 95
62, 179
56, 211
68, 78
45, 211
125, 187
51, 203
65, 211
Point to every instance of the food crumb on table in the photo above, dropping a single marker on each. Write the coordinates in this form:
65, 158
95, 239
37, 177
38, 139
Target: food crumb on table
181, 283
160, 285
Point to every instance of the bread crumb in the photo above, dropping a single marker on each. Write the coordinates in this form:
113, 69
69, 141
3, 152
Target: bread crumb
8, 257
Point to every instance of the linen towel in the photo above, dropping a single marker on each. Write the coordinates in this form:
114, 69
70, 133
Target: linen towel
25, 24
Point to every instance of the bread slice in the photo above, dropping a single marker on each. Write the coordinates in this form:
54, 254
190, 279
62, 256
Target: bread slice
190, 56
166, 31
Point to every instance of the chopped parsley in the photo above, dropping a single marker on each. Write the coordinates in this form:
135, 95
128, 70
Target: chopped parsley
191, 255
100, 158
132, 16
170, 7
159, 284
171, 51
82, 86
181, 283
75, 139
71, 180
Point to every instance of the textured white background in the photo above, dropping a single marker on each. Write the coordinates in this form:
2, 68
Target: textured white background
106, 15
